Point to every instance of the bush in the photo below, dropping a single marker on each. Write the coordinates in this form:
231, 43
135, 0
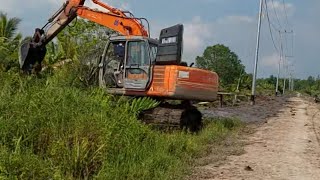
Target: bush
54, 128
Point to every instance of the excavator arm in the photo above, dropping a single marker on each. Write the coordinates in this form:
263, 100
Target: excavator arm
120, 21
127, 26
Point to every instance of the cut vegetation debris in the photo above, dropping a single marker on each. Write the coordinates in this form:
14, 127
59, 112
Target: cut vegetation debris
52, 128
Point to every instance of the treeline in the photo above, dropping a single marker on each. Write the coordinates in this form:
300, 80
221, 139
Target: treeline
233, 78
310, 86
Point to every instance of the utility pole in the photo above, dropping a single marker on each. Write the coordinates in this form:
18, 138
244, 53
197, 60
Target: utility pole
291, 79
285, 67
277, 84
285, 63
279, 64
291, 82
292, 85
256, 57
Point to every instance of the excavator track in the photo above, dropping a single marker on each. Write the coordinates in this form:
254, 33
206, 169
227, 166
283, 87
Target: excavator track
181, 116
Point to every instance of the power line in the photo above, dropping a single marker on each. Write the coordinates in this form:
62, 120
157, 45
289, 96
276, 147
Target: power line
286, 43
285, 12
269, 22
288, 53
275, 12
292, 45
272, 24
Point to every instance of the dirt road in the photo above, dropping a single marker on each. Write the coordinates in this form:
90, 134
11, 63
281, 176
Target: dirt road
287, 146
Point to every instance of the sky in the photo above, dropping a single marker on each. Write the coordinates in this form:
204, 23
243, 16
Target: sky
209, 22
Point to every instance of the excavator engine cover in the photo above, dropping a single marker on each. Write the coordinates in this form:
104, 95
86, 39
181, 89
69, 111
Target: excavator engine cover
30, 55
170, 46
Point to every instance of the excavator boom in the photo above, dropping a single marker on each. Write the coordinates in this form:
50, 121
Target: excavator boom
34, 51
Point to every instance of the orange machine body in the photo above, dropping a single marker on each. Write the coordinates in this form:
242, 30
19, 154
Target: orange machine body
180, 82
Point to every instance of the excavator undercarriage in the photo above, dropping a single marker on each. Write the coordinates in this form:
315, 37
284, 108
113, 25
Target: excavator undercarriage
174, 116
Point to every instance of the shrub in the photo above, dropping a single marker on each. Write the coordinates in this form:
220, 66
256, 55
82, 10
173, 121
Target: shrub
54, 128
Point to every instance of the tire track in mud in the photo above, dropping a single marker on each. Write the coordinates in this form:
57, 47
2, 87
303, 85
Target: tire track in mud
314, 127
283, 148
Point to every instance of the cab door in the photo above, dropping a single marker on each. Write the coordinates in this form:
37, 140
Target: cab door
137, 66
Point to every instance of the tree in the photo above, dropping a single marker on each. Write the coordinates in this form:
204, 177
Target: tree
80, 41
9, 41
222, 60
83, 43
8, 27
311, 80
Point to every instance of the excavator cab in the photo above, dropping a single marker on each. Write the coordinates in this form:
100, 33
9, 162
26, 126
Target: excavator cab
127, 62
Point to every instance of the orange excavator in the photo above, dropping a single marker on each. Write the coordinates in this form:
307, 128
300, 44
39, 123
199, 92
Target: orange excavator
133, 64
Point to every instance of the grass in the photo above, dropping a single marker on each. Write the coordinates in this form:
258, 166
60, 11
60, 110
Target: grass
53, 127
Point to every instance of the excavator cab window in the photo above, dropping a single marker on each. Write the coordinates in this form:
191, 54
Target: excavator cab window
137, 54
137, 65
115, 54
114, 64
153, 52
128, 63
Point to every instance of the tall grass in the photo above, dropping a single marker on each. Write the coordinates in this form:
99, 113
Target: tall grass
54, 128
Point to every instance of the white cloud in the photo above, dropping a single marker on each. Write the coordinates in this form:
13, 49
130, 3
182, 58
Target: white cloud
34, 13
6, 6
10, 5
281, 8
114, 3
232, 31
195, 38
236, 19
196, 34
280, 12
270, 61
235, 27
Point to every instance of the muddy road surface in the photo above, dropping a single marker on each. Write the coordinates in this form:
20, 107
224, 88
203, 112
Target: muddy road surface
285, 146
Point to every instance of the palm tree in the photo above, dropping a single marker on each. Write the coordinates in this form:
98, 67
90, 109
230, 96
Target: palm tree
8, 26
9, 40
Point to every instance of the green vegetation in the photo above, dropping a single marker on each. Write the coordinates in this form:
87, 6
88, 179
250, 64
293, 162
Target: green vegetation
55, 128
82, 41
310, 86
9, 42
233, 78
221, 59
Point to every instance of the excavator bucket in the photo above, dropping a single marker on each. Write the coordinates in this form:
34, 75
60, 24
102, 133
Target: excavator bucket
24, 49
33, 52
30, 55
